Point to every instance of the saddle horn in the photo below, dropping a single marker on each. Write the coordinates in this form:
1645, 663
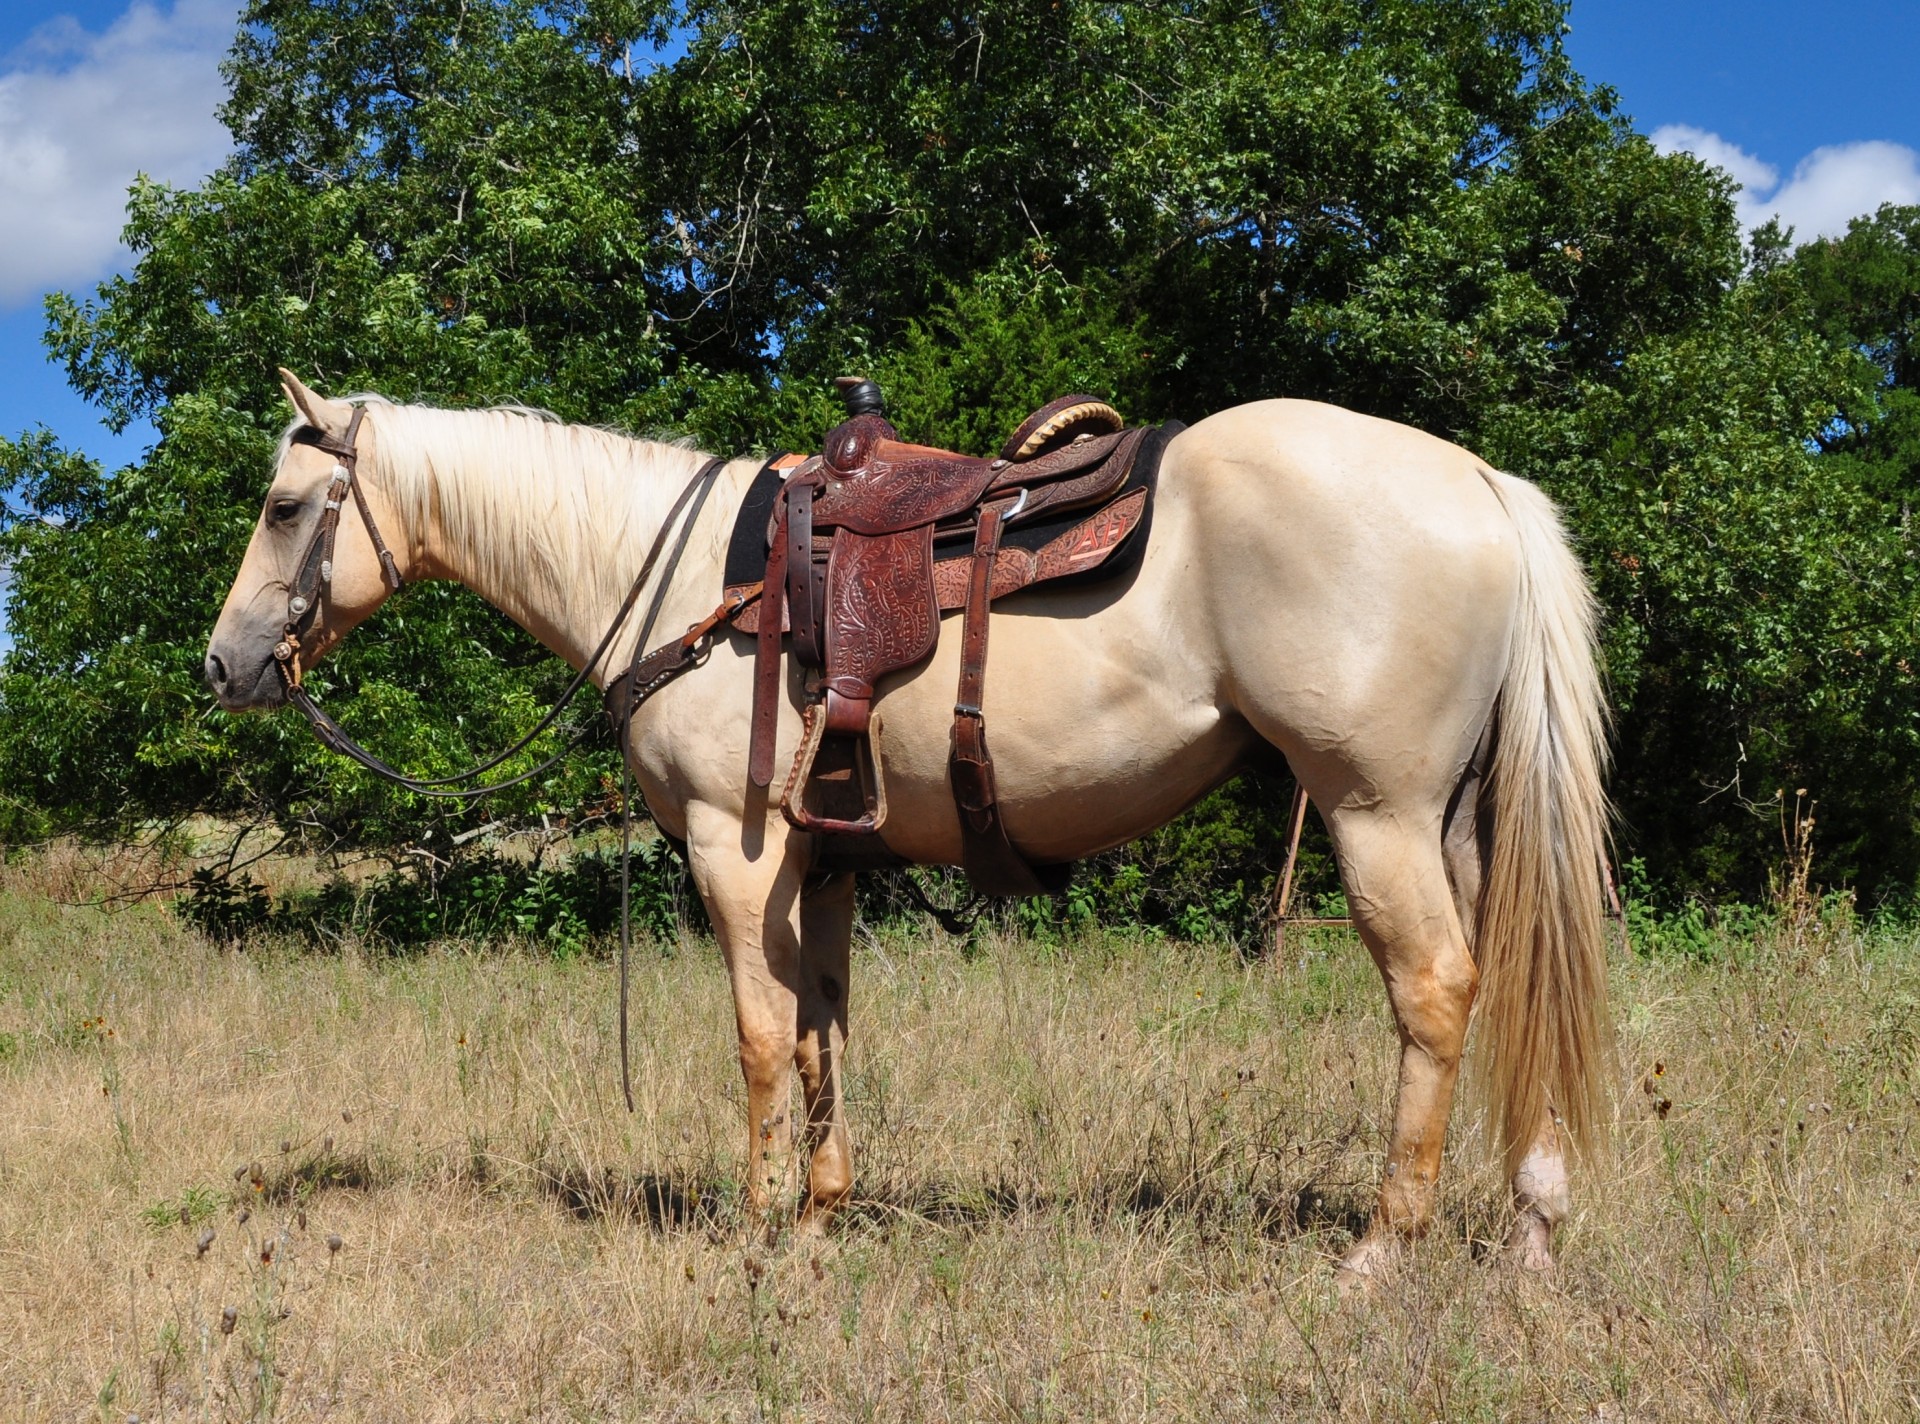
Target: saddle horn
860, 396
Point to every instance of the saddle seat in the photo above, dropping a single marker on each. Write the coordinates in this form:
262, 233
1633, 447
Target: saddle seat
869, 541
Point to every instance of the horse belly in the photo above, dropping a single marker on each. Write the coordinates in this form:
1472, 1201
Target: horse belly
1098, 732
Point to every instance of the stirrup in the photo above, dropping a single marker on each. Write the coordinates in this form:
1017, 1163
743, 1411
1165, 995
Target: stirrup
873, 791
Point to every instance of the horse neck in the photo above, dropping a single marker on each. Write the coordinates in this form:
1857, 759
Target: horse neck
546, 522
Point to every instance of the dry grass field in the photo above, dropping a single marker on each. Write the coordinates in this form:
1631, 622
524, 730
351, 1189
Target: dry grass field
1100, 1181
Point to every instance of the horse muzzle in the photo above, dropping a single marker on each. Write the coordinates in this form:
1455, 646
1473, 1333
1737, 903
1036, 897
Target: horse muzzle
244, 680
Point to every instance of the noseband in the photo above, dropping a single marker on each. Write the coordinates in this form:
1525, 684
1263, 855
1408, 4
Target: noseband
314, 577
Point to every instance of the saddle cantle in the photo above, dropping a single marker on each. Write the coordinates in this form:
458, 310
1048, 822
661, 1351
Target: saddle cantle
857, 551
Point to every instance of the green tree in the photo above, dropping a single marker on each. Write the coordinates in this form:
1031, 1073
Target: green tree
1865, 293
692, 216
433, 202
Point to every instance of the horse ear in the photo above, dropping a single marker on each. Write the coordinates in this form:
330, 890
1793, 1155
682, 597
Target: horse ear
319, 412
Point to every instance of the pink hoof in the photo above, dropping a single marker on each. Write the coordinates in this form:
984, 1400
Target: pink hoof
1373, 1257
1530, 1244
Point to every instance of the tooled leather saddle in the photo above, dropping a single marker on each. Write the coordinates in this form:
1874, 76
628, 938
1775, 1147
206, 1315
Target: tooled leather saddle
857, 551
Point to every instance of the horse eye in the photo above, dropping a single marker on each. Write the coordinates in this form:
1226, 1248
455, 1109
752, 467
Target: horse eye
282, 510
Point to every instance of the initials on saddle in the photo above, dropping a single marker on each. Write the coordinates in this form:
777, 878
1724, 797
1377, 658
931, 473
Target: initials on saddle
857, 551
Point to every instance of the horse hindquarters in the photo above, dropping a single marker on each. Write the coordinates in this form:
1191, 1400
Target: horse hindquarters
1411, 601
1518, 858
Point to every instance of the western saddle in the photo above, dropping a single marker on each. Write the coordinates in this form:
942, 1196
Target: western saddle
858, 550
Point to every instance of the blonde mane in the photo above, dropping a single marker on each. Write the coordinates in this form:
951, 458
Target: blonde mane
525, 508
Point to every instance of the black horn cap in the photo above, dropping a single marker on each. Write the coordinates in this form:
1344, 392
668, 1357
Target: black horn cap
860, 396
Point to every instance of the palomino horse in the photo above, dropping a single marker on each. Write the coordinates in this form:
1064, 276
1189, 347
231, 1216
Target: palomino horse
1406, 625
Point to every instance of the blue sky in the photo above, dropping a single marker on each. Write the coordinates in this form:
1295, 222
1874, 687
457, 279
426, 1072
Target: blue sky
1819, 119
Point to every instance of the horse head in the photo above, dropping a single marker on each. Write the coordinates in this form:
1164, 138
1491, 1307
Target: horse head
316, 566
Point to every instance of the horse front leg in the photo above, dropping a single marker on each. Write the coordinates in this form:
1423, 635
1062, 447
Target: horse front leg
754, 901
826, 935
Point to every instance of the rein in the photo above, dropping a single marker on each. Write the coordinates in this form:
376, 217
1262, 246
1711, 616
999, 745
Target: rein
314, 577
645, 674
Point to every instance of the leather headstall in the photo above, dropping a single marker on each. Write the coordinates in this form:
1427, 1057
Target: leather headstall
313, 578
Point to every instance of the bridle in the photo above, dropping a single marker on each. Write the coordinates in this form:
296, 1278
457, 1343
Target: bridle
645, 674
314, 576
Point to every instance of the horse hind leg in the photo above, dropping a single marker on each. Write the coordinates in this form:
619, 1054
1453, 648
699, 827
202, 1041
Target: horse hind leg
1541, 1198
1402, 901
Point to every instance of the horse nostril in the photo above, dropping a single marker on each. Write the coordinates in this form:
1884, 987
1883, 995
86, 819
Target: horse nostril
216, 670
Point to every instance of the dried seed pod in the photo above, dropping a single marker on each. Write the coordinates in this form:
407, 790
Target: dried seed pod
246, 1215
346, 1114
204, 1244
186, 1216
266, 1252
334, 1243
240, 1172
326, 1143
286, 1146
228, 1319
300, 1218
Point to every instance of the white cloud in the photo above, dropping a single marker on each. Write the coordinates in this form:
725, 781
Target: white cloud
1828, 187
1746, 170
1831, 185
81, 114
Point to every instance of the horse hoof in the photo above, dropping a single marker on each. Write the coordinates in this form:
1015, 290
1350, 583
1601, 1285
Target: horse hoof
817, 1215
1530, 1244
1373, 1256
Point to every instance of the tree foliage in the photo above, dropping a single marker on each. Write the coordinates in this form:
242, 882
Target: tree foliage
691, 216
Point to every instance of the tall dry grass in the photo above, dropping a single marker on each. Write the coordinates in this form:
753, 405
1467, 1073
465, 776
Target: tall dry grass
1104, 1181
